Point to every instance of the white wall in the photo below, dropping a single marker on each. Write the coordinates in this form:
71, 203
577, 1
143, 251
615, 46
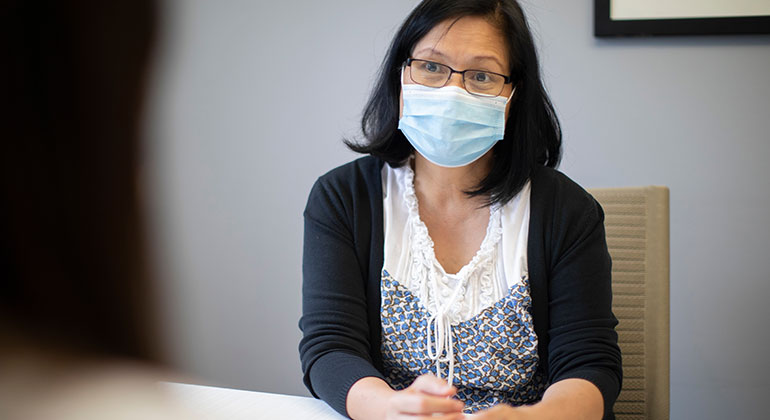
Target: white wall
252, 98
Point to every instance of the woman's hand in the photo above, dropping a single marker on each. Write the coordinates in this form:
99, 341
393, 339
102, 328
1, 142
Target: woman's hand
574, 399
428, 397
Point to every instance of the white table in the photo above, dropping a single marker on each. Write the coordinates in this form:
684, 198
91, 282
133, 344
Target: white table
232, 404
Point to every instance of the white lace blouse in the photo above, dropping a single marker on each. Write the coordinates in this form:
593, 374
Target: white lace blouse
499, 264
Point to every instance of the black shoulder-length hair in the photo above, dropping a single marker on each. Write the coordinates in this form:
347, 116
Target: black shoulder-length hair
532, 131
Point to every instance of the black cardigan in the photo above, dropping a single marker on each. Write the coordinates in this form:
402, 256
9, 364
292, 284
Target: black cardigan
569, 272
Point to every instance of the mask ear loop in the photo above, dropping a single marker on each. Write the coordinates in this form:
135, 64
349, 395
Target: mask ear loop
510, 96
401, 78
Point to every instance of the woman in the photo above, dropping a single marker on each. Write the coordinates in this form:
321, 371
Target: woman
454, 271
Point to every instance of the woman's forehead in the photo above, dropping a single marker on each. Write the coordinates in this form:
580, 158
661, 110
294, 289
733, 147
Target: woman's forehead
464, 41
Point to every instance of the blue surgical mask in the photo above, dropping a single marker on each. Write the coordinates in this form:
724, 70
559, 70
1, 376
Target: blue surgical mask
449, 126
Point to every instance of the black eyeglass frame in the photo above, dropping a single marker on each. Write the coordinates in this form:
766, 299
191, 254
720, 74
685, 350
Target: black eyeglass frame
506, 79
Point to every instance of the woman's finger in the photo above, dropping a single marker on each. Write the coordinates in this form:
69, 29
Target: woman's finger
430, 384
417, 403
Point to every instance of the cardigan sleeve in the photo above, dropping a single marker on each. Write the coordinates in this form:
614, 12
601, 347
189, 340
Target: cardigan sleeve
334, 350
582, 337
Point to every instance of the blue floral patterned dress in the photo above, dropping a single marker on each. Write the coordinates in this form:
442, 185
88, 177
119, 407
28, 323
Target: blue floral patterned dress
494, 353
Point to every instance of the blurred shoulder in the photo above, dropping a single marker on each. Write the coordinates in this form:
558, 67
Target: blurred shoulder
43, 385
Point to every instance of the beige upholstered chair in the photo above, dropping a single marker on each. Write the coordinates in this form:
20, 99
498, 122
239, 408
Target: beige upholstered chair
636, 221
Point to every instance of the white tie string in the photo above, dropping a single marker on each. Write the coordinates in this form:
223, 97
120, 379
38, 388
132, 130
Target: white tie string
440, 342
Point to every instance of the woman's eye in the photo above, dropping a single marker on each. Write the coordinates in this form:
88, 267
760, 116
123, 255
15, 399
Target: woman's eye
481, 77
431, 67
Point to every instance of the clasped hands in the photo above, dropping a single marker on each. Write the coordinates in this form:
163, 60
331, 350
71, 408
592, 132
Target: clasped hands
430, 398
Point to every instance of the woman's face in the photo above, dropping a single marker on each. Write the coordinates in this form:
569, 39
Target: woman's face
470, 42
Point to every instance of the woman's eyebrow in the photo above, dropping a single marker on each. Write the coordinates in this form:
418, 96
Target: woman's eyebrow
433, 52
489, 58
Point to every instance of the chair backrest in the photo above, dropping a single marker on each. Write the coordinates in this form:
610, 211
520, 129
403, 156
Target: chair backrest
637, 226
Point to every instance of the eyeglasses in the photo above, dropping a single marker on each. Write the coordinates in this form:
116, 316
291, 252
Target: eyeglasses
436, 75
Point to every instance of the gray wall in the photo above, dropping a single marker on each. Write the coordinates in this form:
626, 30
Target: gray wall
252, 98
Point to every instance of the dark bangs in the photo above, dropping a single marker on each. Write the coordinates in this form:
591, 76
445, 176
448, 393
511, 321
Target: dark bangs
532, 132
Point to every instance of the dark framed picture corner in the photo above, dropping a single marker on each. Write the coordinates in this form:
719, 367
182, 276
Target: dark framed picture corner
614, 18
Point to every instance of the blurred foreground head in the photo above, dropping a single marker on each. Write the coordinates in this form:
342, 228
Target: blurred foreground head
72, 265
